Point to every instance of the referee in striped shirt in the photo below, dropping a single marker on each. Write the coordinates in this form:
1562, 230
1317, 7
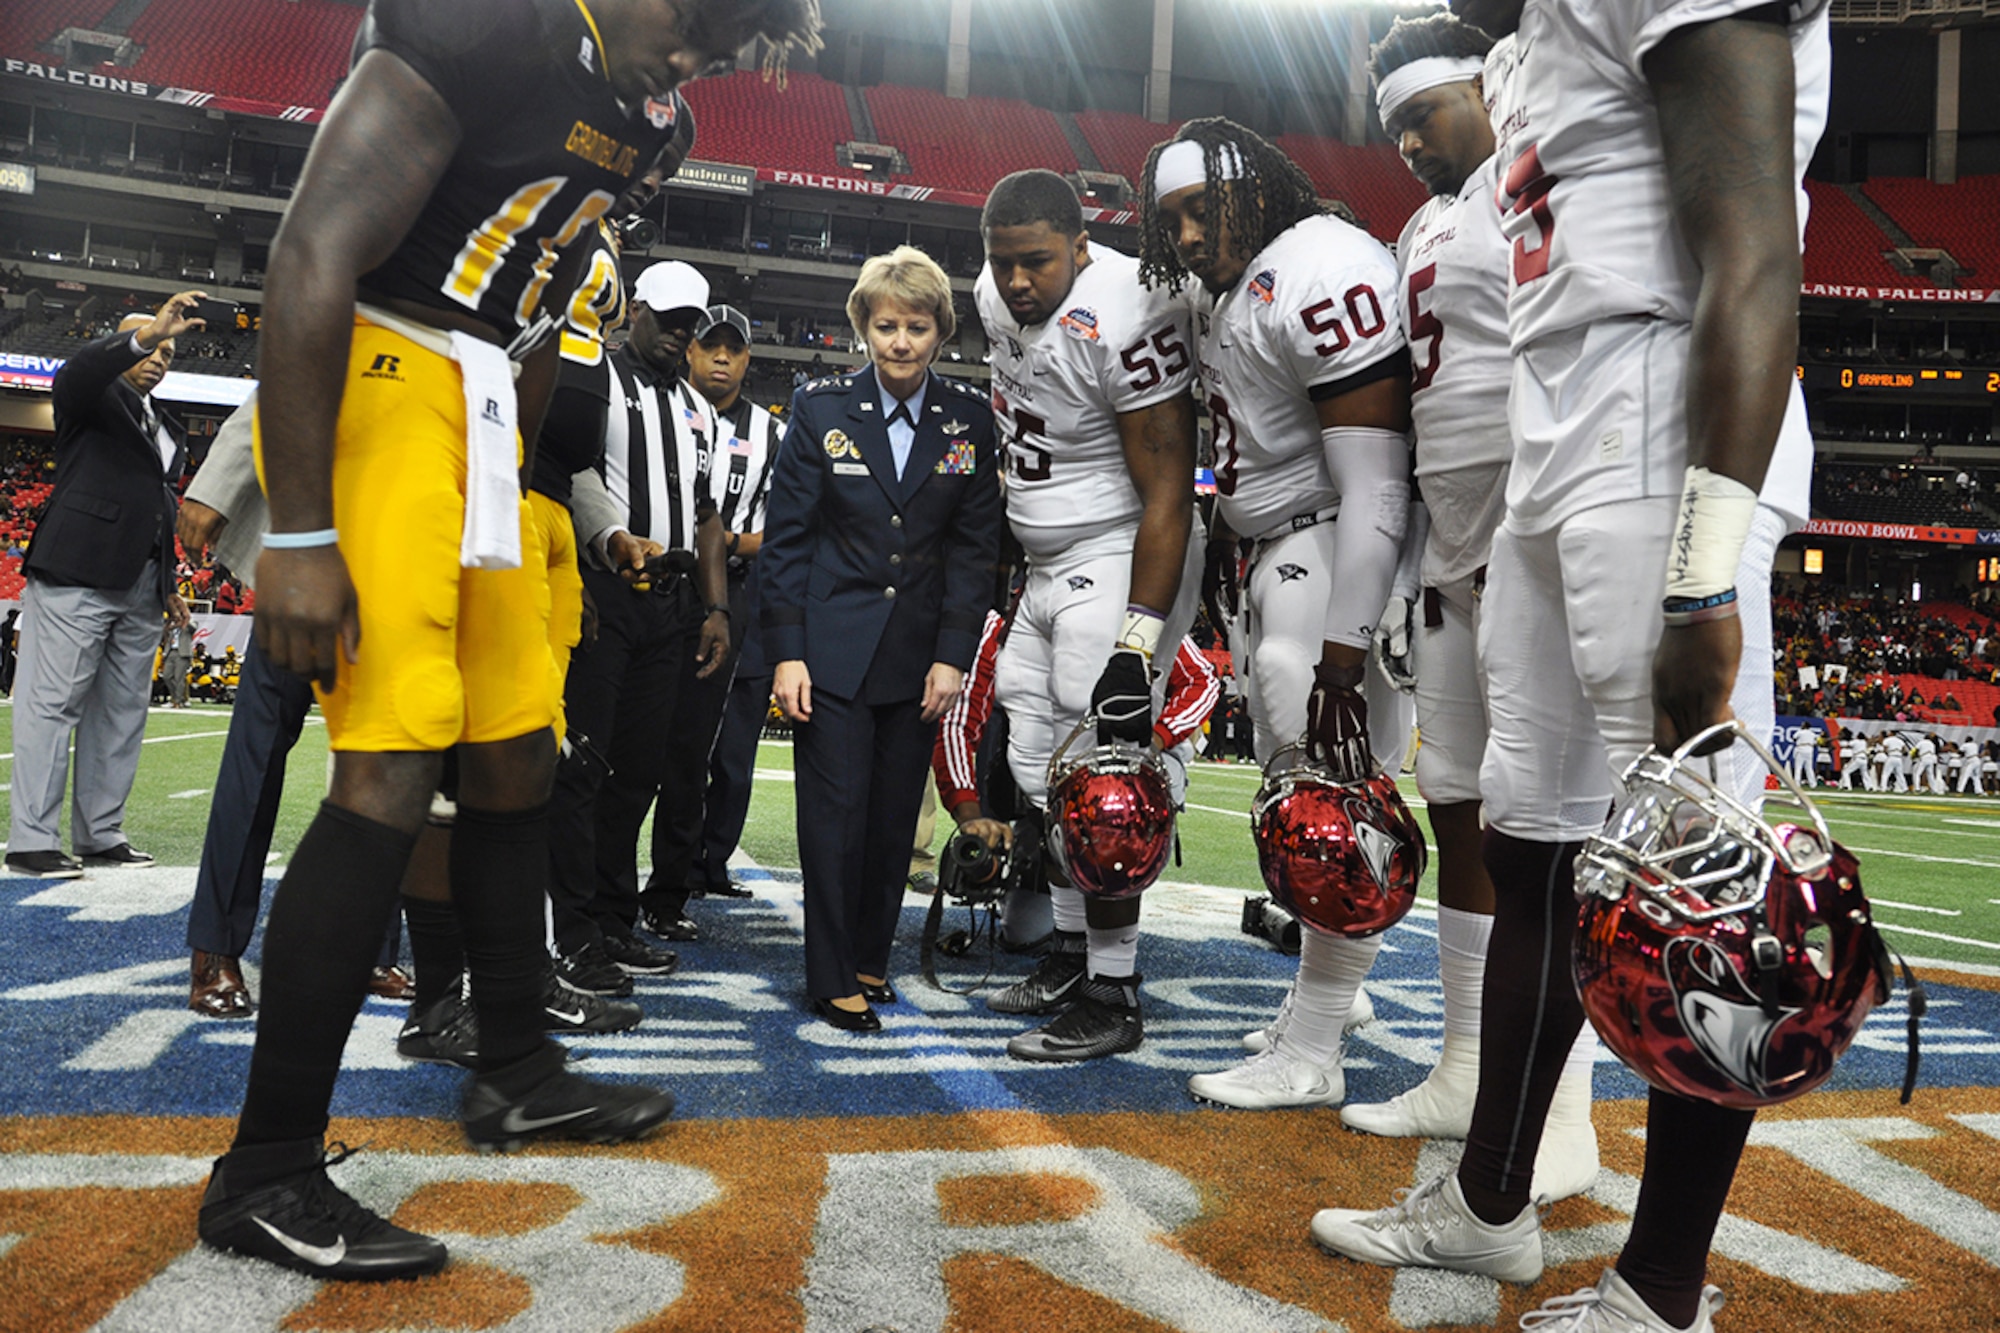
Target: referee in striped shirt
656, 574
692, 843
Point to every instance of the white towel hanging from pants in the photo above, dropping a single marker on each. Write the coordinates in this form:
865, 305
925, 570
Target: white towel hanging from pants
492, 538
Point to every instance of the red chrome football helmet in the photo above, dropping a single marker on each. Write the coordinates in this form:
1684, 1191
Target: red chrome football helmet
1111, 814
1343, 857
1719, 957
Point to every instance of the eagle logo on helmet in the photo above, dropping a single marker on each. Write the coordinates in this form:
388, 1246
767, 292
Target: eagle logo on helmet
1719, 957
1111, 814
1344, 858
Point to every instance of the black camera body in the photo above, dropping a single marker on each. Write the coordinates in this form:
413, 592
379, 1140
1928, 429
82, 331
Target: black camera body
973, 873
1270, 922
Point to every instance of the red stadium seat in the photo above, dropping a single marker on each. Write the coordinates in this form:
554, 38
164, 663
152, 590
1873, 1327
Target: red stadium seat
26, 24
744, 120
1121, 140
290, 54
1962, 218
967, 143
1843, 246
1371, 180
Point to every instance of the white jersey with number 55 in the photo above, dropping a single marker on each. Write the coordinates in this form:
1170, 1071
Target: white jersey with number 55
1314, 316
1058, 389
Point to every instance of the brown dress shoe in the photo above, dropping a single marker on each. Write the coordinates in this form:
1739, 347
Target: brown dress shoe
218, 990
391, 983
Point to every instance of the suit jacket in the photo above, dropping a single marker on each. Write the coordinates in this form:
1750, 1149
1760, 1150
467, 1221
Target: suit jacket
113, 504
227, 483
865, 577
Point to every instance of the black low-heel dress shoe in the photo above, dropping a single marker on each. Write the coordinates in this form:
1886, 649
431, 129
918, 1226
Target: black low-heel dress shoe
834, 1016
882, 994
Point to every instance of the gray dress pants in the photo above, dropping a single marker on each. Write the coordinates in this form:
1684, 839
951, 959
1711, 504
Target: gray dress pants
86, 669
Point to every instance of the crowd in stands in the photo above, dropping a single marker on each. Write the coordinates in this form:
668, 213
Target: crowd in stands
27, 474
1892, 660
1905, 493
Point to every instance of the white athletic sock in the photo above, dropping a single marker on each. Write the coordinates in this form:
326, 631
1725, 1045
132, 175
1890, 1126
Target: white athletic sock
1331, 969
1068, 906
1462, 940
1583, 1055
1113, 952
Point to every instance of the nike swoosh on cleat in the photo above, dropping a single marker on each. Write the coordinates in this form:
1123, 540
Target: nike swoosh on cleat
320, 1256
563, 1015
1428, 1248
516, 1123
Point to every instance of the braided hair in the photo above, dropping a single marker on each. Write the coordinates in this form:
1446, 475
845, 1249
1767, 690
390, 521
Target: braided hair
1271, 193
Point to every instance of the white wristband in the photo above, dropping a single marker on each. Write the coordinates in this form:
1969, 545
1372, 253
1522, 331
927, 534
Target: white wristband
1714, 522
1142, 630
300, 541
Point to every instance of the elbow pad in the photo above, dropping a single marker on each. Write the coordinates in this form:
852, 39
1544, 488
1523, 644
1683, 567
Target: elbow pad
1370, 467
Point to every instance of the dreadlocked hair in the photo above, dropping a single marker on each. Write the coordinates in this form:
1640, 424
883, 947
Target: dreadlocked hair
1411, 39
779, 25
1271, 193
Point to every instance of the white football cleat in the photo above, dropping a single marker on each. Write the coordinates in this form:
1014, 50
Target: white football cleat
1432, 1227
1277, 1078
1265, 1037
1613, 1307
1440, 1107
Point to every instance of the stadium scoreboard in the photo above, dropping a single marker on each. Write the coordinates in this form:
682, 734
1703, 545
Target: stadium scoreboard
1969, 383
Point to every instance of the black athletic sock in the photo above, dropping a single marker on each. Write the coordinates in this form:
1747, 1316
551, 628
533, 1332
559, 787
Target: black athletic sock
1530, 1016
437, 949
1692, 1149
323, 937
499, 883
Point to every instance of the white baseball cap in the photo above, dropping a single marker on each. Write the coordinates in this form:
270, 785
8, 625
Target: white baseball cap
672, 285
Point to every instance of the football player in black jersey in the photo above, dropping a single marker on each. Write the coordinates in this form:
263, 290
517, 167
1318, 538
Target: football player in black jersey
473, 141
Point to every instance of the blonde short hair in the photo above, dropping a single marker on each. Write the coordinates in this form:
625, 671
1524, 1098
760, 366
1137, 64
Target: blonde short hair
909, 277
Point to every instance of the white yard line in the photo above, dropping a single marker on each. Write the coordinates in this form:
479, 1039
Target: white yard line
1934, 935
1916, 907
1919, 856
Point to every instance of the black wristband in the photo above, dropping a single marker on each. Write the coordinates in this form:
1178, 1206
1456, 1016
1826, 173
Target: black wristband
718, 609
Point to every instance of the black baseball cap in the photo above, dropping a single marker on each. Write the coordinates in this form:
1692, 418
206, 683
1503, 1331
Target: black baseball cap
718, 315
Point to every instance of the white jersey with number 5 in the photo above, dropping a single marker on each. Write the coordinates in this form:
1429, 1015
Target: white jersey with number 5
1314, 315
1454, 263
1059, 387
1584, 201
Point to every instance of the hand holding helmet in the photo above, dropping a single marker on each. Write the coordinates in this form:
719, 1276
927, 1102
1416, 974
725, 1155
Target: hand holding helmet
1337, 721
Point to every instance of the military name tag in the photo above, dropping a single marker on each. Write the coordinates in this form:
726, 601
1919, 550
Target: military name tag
850, 469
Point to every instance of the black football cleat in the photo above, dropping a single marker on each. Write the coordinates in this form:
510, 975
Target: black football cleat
565, 1009
1055, 982
447, 1033
637, 958
1105, 1021
537, 1097
591, 968
298, 1218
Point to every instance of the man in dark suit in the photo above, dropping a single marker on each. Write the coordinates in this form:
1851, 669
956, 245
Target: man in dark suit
877, 570
99, 573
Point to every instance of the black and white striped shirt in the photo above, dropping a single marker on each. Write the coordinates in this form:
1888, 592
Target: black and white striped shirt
658, 440
740, 470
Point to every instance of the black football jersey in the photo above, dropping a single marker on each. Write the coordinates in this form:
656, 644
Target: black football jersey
547, 147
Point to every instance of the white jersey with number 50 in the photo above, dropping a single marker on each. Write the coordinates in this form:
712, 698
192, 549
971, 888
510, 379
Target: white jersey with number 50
1315, 312
1059, 387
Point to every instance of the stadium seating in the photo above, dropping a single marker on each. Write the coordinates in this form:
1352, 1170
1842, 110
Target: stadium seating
967, 143
1371, 180
290, 54
1962, 218
742, 119
1843, 246
26, 24
1121, 140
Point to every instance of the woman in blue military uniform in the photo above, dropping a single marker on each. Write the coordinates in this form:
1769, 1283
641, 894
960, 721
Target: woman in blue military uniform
877, 569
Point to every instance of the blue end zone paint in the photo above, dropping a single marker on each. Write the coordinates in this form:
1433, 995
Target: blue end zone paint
93, 1017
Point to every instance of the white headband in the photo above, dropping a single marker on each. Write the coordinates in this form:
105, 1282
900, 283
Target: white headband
1420, 76
1180, 166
